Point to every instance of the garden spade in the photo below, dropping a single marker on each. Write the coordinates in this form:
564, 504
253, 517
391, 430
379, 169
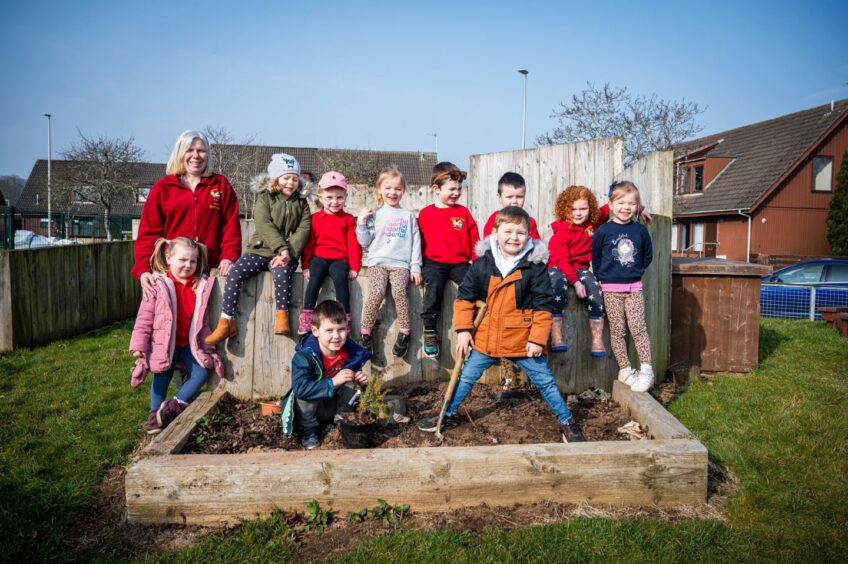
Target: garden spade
457, 367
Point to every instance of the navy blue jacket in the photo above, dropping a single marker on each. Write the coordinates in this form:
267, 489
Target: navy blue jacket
307, 375
621, 252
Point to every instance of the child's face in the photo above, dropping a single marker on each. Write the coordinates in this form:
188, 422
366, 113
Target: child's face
288, 183
391, 190
512, 195
333, 199
182, 263
580, 212
512, 237
624, 208
448, 193
331, 336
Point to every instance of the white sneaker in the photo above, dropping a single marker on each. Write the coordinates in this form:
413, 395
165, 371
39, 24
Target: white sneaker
644, 379
627, 376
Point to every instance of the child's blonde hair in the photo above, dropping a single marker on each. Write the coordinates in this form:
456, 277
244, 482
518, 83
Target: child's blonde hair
390, 171
623, 188
166, 247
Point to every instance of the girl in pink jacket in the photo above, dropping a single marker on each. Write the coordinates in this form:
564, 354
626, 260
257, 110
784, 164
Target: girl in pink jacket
171, 327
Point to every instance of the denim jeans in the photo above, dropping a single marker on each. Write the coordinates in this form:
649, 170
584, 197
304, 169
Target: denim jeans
310, 414
197, 375
536, 369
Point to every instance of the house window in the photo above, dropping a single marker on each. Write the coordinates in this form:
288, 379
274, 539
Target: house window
674, 245
683, 182
822, 174
684, 236
141, 195
697, 237
699, 179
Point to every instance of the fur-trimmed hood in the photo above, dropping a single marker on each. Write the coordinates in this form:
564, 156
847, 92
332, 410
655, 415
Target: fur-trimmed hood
539, 254
262, 182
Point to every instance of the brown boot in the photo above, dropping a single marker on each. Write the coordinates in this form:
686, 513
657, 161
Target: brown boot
597, 327
226, 328
281, 323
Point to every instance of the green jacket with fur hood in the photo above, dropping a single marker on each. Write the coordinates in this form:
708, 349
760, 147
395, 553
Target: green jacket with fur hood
281, 222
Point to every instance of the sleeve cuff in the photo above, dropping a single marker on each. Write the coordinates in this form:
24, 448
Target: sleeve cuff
330, 385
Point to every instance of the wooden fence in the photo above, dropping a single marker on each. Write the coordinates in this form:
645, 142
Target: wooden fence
57, 292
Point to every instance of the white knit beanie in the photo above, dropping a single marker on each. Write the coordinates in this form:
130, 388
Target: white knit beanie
281, 164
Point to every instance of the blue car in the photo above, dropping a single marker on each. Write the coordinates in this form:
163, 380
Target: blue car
787, 292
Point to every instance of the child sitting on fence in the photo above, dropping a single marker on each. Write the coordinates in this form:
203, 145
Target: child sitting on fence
170, 328
332, 249
621, 252
282, 220
324, 368
390, 234
578, 217
511, 192
511, 276
448, 236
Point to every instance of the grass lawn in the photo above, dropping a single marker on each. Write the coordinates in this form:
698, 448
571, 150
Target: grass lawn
67, 414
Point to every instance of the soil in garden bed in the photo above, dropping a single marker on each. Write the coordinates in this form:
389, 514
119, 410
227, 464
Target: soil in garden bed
239, 427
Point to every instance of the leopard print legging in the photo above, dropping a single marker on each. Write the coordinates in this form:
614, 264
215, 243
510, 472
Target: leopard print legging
378, 278
629, 306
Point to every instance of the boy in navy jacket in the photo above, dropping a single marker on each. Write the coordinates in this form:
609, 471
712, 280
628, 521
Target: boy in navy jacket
324, 368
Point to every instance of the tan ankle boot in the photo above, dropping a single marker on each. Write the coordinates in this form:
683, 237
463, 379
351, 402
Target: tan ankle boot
281, 323
597, 327
226, 328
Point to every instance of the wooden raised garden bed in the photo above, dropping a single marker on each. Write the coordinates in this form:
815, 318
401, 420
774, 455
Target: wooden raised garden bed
164, 486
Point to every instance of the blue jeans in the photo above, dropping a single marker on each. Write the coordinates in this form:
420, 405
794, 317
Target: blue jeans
535, 368
197, 375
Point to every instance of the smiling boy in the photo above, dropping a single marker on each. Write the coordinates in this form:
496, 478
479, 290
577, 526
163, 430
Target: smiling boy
512, 191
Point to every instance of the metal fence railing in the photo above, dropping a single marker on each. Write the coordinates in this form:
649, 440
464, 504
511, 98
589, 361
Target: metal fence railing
793, 301
27, 229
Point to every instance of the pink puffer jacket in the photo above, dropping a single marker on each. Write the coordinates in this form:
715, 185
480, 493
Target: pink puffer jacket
155, 330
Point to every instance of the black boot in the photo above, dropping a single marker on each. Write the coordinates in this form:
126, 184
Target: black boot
401, 345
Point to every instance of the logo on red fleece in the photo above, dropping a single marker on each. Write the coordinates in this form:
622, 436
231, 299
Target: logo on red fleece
590, 231
216, 199
457, 223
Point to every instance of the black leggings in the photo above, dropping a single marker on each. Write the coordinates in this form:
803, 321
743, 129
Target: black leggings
594, 299
436, 275
319, 269
248, 266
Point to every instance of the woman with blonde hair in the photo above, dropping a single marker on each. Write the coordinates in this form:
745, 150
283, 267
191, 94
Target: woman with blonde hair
189, 201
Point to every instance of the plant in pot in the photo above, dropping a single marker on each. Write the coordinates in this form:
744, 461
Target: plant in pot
358, 427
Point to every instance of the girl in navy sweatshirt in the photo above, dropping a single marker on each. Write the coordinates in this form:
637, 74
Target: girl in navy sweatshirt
621, 251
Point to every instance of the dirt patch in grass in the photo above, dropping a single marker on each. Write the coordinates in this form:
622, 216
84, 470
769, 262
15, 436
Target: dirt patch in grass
484, 420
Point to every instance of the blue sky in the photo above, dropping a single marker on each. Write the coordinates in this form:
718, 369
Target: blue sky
386, 74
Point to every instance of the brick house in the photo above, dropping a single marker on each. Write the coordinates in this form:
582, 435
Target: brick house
762, 189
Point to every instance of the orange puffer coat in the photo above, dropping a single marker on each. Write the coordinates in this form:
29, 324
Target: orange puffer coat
519, 306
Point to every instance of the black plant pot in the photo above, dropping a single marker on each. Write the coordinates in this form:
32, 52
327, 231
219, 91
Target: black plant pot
358, 435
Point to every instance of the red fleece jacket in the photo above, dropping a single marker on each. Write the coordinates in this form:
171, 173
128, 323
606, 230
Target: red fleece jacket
571, 245
490, 224
333, 237
210, 215
448, 234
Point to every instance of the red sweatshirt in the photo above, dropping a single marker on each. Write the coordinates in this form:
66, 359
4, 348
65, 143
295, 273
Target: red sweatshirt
571, 245
333, 237
448, 234
186, 302
490, 224
210, 215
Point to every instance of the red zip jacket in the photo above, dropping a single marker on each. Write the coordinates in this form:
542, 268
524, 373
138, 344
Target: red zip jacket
490, 224
571, 245
448, 234
333, 237
210, 215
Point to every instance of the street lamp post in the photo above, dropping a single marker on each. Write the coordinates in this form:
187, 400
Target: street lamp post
525, 72
436, 137
49, 177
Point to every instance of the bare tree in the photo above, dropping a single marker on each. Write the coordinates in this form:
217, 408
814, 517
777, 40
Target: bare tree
239, 162
99, 172
647, 123
11, 186
358, 167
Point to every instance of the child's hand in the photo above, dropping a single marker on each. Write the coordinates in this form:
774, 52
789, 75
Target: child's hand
306, 274
645, 215
534, 350
364, 214
137, 354
343, 377
351, 275
464, 342
361, 378
580, 289
416, 278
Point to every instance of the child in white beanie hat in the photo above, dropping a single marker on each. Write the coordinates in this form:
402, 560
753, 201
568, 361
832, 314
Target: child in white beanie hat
282, 219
